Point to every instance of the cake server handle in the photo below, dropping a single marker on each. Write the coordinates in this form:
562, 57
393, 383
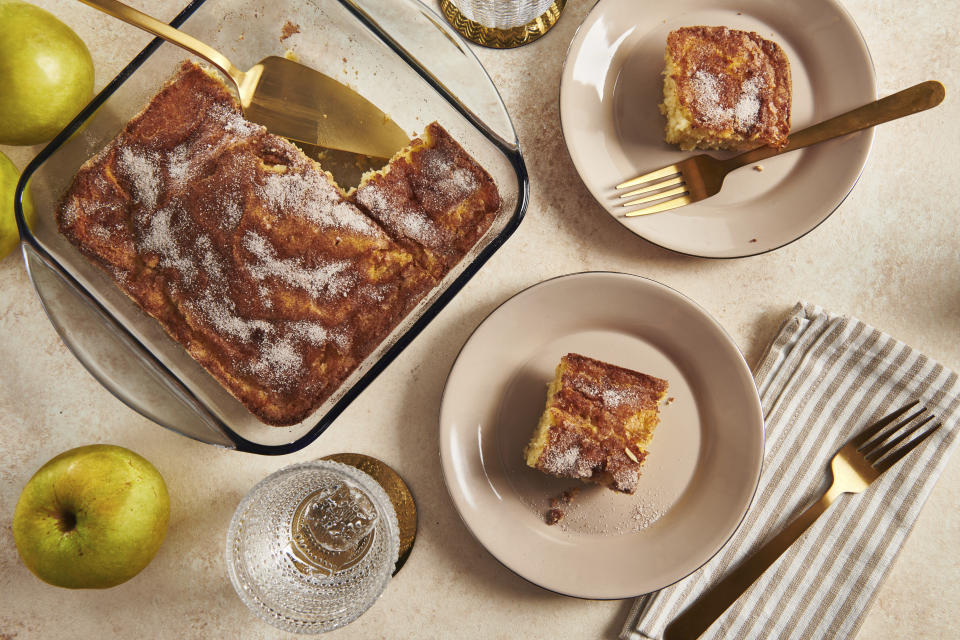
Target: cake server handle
919, 97
152, 25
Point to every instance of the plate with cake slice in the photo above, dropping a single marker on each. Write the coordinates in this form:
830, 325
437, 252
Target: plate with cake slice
648, 85
601, 435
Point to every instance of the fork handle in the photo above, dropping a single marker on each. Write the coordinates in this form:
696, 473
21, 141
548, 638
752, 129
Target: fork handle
919, 97
152, 25
698, 617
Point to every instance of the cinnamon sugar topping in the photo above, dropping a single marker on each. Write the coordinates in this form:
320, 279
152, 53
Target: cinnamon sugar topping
741, 116
331, 280
248, 255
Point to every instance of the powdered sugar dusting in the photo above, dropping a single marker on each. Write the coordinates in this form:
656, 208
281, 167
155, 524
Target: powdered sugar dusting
588, 516
221, 313
743, 116
232, 214
562, 462
377, 293
626, 478
159, 238
233, 122
68, 214
584, 385
100, 232
211, 263
747, 109
142, 169
311, 195
179, 165
419, 227
119, 274
400, 216
612, 397
644, 515
332, 280
450, 180
278, 359
615, 398
312, 332
318, 335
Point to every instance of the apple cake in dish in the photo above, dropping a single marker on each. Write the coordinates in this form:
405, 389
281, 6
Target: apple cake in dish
252, 258
597, 424
725, 89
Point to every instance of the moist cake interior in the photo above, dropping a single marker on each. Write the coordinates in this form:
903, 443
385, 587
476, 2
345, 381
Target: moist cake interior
597, 424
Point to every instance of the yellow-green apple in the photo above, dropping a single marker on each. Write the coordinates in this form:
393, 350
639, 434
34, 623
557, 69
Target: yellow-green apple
92, 517
9, 237
46, 73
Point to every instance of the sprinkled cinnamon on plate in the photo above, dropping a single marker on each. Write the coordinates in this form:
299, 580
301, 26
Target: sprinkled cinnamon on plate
289, 28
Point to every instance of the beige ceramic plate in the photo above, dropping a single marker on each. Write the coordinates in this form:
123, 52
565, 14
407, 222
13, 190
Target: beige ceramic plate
612, 85
704, 460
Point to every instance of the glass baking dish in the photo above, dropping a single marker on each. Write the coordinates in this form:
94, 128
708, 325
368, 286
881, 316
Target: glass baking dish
401, 56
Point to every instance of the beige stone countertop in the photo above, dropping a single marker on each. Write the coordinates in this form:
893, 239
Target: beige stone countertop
890, 255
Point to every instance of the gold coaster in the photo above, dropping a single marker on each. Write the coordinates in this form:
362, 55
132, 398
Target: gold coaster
398, 493
502, 38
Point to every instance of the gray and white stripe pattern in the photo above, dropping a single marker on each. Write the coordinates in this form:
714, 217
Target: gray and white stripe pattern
823, 379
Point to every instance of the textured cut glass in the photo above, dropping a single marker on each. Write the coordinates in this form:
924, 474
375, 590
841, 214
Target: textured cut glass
312, 546
502, 14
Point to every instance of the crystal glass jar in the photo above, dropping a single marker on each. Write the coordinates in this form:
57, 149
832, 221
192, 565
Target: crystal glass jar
502, 24
312, 546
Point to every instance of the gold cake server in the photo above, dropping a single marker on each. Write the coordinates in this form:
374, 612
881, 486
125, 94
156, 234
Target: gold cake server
288, 98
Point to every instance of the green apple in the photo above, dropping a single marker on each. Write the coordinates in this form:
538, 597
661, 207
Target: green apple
9, 236
92, 517
46, 72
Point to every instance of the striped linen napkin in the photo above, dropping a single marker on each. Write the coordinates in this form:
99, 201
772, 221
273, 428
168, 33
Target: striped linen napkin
824, 378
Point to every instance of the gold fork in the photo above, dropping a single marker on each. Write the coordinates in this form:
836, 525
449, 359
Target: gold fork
702, 176
861, 461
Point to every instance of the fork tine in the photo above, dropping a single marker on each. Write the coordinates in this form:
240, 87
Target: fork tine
653, 175
679, 191
875, 428
888, 431
897, 455
881, 450
662, 206
672, 182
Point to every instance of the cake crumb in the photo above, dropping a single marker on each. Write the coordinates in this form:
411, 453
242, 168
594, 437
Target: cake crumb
753, 239
554, 516
567, 497
288, 30
758, 168
669, 400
